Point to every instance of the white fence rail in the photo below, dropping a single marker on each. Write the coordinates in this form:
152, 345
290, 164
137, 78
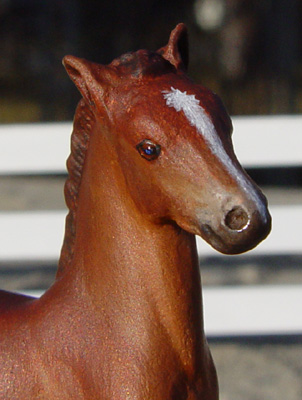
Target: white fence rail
43, 148
37, 235
259, 142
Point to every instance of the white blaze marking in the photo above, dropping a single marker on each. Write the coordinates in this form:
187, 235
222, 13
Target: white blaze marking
197, 117
195, 114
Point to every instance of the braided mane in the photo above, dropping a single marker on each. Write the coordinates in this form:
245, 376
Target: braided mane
135, 65
82, 127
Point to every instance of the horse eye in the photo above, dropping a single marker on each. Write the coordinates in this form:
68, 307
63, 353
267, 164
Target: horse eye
148, 150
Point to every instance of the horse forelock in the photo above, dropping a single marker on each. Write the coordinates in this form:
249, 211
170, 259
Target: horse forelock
142, 63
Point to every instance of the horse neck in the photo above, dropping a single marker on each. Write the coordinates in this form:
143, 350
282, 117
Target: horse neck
119, 255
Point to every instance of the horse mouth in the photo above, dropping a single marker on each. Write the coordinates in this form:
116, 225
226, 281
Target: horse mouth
211, 237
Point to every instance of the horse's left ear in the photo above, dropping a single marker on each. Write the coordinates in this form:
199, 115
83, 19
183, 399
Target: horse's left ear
90, 78
177, 49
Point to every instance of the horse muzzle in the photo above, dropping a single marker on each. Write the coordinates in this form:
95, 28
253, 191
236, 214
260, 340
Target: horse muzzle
236, 230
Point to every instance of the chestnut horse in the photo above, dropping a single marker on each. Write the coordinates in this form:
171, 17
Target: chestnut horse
151, 166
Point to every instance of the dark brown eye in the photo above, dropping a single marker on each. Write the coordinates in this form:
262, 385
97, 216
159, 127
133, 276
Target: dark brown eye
148, 150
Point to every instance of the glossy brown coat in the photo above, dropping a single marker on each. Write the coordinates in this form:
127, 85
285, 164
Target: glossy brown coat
123, 320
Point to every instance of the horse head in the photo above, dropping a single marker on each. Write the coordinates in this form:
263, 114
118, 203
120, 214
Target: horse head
173, 142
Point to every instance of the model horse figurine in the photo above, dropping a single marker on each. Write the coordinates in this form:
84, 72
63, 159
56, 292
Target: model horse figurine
151, 166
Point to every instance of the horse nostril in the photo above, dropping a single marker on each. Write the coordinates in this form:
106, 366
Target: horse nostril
236, 219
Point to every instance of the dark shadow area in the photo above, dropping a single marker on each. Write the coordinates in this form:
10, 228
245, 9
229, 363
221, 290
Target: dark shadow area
251, 270
280, 176
282, 339
27, 276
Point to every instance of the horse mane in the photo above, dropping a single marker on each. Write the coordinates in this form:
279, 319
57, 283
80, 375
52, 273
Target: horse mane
135, 64
82, 127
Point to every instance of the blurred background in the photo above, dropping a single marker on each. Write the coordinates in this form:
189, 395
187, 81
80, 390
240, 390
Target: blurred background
247, 51
242, 49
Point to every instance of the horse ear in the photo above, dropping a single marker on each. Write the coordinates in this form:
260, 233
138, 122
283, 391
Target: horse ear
91, 79
177, 49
